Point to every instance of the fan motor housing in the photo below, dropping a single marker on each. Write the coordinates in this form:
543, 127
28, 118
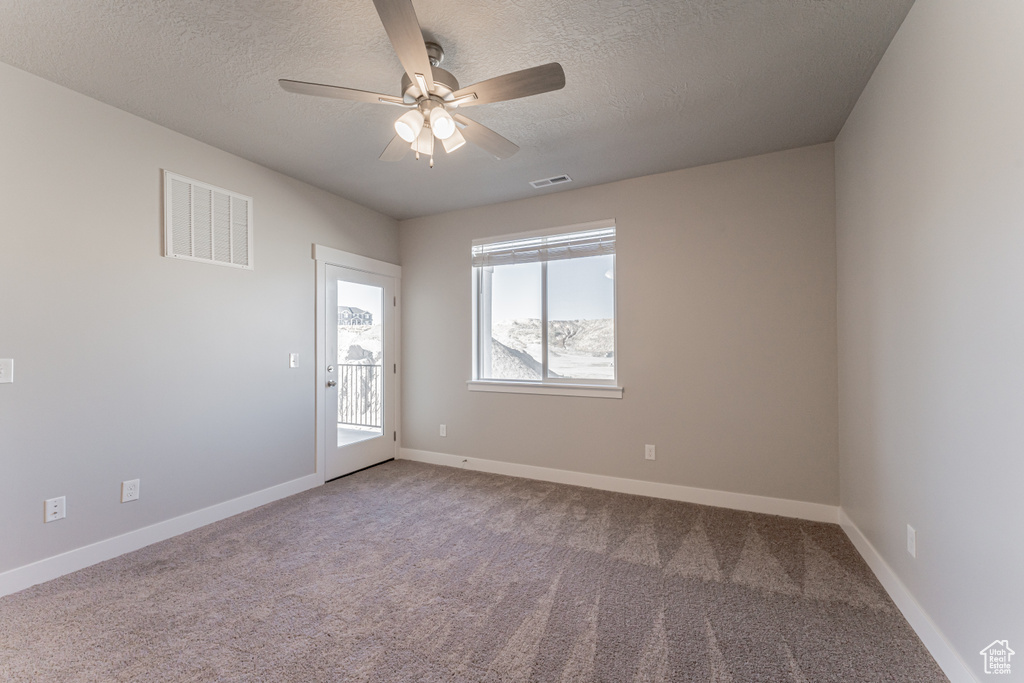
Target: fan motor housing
444, 85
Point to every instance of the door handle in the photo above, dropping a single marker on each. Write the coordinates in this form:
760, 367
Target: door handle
331, 383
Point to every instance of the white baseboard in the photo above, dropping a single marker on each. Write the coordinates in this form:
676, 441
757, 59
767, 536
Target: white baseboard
815, 512
939, 647
21, 578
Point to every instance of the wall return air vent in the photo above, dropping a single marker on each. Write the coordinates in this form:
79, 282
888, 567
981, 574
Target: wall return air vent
553, 180
206, 223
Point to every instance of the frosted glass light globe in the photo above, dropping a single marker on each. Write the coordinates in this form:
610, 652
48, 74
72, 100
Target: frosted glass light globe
409, 125
442, 123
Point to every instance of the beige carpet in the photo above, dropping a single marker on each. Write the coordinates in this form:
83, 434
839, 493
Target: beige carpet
409, 572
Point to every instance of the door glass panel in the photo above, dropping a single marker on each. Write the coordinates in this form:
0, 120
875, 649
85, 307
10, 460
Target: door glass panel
360, 362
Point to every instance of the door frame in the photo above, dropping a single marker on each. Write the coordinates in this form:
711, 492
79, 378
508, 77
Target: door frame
325, 256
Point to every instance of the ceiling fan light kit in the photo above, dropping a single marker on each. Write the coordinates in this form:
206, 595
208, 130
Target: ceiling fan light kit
409, 125
441, 122
453, 141
431, 93
424, 144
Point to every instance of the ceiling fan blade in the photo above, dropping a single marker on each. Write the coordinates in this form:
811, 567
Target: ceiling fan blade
533, 81
395, 150
403, 29
337, 92
486, 139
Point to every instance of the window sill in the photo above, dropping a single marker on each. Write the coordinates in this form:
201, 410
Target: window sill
591, 390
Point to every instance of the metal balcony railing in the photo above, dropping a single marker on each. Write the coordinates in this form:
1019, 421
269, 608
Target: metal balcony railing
360, 394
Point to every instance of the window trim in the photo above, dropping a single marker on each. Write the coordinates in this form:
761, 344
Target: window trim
509, 386
546, 385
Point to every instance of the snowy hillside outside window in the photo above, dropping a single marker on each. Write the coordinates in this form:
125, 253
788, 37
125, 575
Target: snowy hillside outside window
545, 307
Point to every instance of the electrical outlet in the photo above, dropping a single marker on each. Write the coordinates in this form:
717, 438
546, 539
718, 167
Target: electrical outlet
444, 430
649, 452
6, 370
911, 541
293, 360
55, 508
129, 490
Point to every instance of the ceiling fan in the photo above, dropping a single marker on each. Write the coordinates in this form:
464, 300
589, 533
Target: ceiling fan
432, 94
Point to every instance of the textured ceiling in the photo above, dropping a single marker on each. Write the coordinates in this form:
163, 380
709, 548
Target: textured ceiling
652, 85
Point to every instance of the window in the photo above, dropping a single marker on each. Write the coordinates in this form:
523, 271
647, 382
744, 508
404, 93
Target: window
544, 312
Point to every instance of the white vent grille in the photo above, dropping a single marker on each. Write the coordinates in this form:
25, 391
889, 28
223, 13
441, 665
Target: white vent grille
206, 223
553, 180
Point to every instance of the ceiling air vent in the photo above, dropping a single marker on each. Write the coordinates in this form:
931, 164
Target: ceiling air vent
206, 223
553, 180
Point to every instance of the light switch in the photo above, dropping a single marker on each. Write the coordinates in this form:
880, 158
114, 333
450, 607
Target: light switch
293, 360
6, 370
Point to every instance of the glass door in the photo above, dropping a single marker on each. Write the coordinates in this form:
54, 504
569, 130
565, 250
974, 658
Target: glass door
360, 370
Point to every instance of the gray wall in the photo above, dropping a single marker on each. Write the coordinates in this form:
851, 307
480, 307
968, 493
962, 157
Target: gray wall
131, 365
930, 194
726, 342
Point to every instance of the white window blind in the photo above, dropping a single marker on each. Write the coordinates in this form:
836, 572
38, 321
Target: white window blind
594, 242
206, 223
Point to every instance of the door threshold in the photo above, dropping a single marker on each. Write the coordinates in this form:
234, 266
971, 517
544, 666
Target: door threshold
363, 469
